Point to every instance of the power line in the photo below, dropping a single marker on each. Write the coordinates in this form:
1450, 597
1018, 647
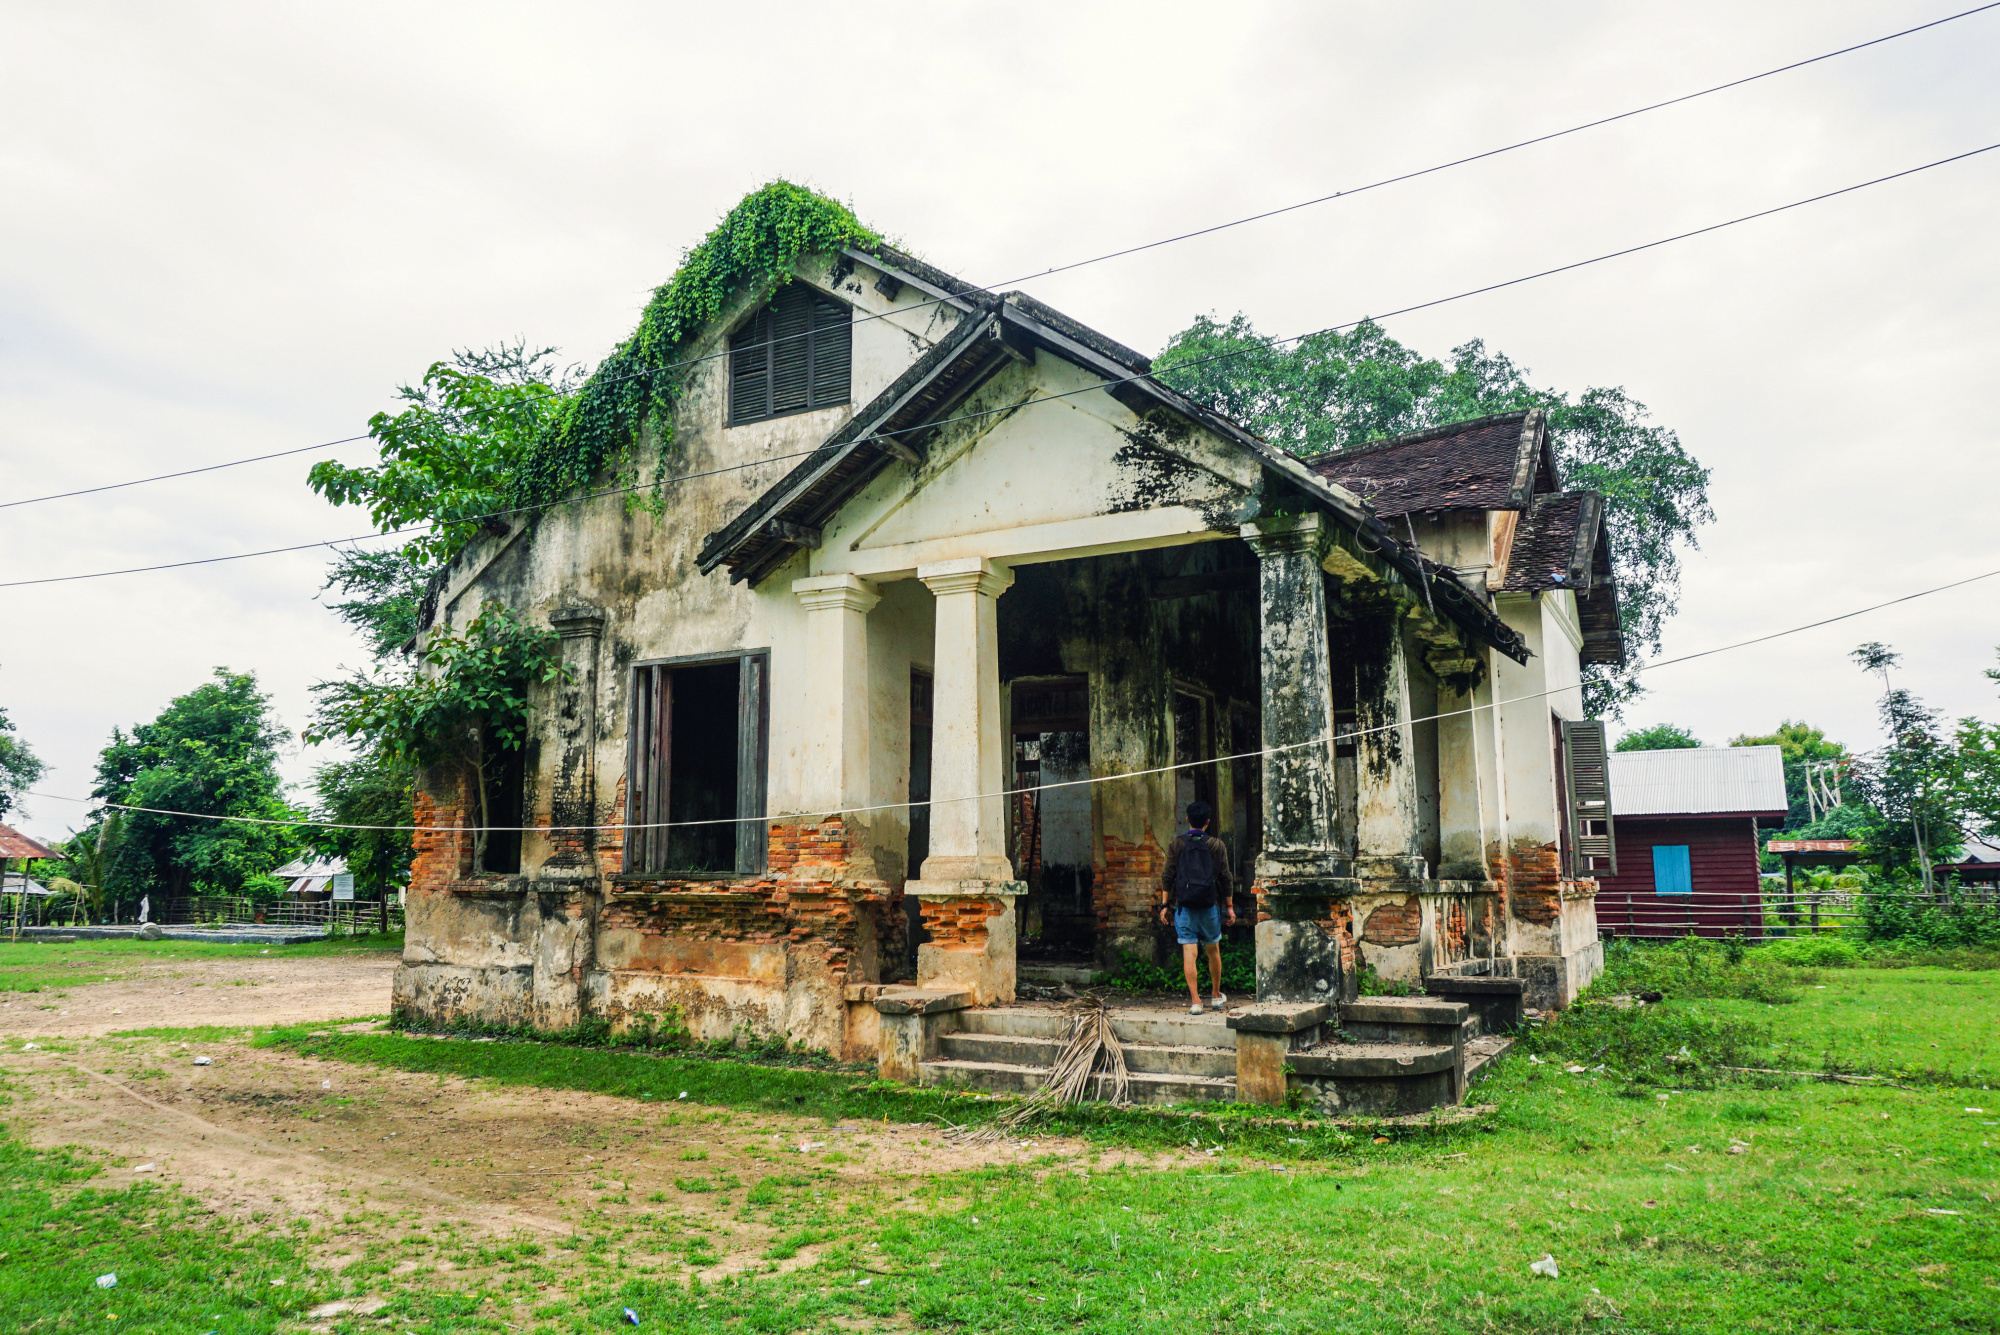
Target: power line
190, 472
1050, 398
1149, 245
1342, 735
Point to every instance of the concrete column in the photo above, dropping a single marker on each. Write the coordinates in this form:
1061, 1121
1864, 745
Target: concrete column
1387, 837
573, 729
968, 838
967, 884
1464, 762
1299, 811
1300, 869
836, 751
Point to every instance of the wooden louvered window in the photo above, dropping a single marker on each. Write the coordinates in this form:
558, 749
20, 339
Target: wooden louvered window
793, 356
1592, 842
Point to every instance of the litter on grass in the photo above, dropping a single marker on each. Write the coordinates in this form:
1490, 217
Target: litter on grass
631, 1316
107, 1281
1546, 1266
145, 1168
204, 1061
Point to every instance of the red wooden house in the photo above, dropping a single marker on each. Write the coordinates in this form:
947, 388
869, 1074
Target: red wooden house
1686, 829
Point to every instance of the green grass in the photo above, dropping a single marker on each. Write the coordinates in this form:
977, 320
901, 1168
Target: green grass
177, 1269
1849, 1209
1921, 1021
33, 966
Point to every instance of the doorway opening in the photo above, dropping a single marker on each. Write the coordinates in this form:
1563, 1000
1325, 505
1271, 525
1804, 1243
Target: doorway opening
1050, 826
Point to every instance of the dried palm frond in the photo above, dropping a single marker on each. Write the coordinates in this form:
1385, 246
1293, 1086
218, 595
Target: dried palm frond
1090, 1065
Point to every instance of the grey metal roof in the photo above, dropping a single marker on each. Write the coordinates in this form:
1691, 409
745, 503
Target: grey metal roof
1698, 781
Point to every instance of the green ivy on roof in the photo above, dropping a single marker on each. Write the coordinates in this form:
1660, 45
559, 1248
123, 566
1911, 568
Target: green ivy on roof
753, 249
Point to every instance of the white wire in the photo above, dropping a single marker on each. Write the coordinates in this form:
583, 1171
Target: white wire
1336, 737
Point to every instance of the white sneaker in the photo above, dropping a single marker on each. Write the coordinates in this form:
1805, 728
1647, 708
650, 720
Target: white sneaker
1195, 1009
1217, 1002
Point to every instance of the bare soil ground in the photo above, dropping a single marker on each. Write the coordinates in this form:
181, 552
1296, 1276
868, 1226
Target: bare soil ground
240, 992
420, 1178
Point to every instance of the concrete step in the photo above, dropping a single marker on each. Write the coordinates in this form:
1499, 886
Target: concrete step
1391, 1061
1499, 1002
1419, 1020
1131, 1026
1048, 975
1012, 1078
1483, 1056
1149, 1058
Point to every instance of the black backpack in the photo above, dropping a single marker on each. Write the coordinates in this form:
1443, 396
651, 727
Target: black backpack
1194, 873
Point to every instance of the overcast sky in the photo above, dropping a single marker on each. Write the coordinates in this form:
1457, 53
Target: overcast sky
233, 229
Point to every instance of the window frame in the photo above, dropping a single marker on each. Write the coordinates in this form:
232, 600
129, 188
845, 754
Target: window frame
732, 415
753, 761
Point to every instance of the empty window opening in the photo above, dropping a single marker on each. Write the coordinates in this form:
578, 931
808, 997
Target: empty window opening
793, 356
505, 780
697, 767
1194, 742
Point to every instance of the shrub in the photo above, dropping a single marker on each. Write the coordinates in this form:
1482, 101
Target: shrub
1650, 1045
1955, 917
1817, 952
1135, 973
1693, 967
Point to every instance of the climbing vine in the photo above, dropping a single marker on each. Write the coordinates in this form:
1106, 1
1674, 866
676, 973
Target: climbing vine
753, 248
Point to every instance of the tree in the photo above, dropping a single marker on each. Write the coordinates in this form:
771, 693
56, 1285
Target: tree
211, 753
1911, 782
385, 591
1333, 390
466, 707
455, 452
1659, 737
20, 767
1803, 745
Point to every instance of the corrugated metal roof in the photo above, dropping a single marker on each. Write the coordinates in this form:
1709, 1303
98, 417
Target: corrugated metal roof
14, 844
1698, 780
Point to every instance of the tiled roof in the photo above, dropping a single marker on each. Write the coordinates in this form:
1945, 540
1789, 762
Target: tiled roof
1554, 542
1488, 463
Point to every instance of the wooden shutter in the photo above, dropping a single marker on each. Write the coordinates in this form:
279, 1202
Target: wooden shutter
794, 355
1587, 775
752, 761
649, 747
750, 370
791, 350
832, 353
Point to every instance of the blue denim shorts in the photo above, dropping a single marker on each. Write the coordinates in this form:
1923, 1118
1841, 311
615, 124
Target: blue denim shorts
1198, 926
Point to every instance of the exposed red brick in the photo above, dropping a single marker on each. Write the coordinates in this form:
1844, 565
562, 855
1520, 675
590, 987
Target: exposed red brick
1394, 924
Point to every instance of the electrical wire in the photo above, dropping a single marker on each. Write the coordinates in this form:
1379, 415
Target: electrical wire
1149, 245
1339, 736
1051, 398
190, 472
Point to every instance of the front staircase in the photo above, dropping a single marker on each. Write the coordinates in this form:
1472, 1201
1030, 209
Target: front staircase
1374, 1056
1171, 1058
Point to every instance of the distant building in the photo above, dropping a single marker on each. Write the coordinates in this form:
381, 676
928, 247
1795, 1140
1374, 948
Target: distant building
1978, 864
316, 880
1686, 825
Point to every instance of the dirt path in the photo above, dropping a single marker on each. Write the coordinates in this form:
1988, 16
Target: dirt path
383, 1161
252, 990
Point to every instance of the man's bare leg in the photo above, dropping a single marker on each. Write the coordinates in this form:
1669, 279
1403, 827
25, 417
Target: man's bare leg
1189, 956
1215, 968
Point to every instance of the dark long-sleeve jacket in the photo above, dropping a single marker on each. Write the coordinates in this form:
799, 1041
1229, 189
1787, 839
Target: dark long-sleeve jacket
1225, 882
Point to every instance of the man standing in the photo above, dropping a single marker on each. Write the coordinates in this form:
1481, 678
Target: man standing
1197, 889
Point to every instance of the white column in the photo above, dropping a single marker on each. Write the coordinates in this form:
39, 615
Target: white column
968, 838
1464, 764
837, 691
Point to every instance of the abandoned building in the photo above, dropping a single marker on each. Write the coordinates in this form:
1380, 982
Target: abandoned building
912, 677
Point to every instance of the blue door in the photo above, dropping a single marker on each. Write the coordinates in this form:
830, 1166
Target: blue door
1672, 875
